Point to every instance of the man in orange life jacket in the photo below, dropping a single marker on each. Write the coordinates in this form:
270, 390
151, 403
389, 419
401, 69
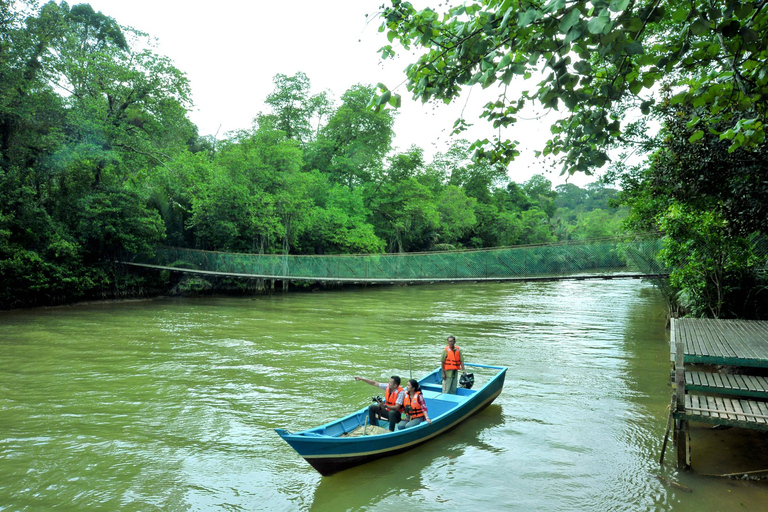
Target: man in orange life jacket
451, 362
392, 405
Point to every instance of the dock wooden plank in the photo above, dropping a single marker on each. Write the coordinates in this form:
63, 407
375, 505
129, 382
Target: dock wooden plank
692, 346
751, 382
763, 407
706, 348
726, 411
747, 405
740, 382
737, 408
699, 330
729, 408
716, 338
682, 337
741, 340
751, 336
727, 384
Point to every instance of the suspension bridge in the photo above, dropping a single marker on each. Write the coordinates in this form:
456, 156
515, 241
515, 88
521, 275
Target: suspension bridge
591, 259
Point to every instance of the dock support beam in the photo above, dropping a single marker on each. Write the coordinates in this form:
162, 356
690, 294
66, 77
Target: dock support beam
682, 443
682, 439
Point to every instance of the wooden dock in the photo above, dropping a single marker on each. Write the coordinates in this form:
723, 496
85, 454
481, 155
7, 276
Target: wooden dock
735, 393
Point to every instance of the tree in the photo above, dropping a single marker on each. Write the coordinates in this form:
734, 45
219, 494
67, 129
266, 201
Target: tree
590, 57
338, 220
404, 214
457, 214
710, 204
247, 199
293, 108
713, 274
477, 178
570, 196
352, 146
84, 117
540, 193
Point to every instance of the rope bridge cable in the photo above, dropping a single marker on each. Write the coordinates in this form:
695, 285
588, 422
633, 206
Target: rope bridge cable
602, 258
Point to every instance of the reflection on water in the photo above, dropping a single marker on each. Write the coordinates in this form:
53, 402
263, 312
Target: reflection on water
403, 474
170, 404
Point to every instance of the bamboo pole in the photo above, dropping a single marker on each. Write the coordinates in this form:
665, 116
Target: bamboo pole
666, 432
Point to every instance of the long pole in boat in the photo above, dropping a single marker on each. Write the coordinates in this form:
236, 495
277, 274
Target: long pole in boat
410, 372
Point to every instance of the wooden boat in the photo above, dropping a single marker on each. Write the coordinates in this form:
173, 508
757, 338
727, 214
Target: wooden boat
332, 447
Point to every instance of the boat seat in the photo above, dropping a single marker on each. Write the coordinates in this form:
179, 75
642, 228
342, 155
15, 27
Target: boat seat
439, 395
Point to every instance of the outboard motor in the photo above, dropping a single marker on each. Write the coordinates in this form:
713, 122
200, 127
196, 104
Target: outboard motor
467, 381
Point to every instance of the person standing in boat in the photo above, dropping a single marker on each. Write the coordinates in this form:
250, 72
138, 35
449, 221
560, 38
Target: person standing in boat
414, 406
392, 406
451, 363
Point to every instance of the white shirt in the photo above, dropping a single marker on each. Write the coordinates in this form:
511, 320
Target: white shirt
400, 395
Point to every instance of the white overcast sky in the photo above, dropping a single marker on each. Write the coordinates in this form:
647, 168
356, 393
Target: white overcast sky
231, 49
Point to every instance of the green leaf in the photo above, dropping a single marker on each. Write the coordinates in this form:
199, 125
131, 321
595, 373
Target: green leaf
678, 98
618, 5
583, 67
569, 20
507, 76
635, 48
599, 24
554, 6
574, 33
730, 28
528, 17
699, 26
507, 15
680, 14
744, 10
696, 136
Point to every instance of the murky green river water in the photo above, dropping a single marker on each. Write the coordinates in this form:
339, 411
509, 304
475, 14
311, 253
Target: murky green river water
170, 404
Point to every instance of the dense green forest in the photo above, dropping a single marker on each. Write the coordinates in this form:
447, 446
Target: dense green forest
98, 161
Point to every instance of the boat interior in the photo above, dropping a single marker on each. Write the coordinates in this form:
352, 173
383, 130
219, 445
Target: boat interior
437, 402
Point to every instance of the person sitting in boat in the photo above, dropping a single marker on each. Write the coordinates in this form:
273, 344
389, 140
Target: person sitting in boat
451, 363
414, 406
392, 406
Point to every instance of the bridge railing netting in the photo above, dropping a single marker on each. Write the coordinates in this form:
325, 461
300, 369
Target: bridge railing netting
499, 263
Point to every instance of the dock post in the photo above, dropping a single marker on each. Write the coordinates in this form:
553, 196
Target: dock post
681, 425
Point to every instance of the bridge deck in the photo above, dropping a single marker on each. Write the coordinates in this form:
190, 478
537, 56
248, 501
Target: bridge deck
573, 277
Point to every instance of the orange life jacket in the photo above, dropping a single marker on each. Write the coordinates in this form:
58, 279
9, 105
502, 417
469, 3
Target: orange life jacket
452, 359
392, 396
413, 407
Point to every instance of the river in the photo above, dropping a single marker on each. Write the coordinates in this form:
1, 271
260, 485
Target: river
169, 404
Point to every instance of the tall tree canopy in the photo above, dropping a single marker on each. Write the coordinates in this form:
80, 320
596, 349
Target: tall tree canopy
593, 56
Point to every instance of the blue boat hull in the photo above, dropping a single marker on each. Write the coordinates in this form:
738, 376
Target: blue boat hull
328, 450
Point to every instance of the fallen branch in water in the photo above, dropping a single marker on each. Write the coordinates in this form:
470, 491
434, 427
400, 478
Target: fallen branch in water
673, 484
740, 473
